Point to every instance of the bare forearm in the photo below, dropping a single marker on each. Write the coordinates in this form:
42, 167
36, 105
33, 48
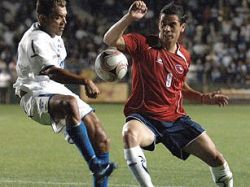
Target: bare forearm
192, 94
68, 78
204, 98
116, 31
64, 76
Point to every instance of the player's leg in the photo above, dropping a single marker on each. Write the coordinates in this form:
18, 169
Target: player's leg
137, 135
101, 144
65, 107
204, 148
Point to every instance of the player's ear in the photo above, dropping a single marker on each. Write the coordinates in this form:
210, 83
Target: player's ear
183, 26
41, 19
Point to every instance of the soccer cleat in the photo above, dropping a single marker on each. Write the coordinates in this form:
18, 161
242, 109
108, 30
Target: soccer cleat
106, 171
67, 137
59, 126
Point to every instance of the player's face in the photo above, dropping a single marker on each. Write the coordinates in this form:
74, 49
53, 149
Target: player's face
55, 23
170, 28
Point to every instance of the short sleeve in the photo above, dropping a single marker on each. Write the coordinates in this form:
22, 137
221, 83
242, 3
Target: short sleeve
41, 55
134, 43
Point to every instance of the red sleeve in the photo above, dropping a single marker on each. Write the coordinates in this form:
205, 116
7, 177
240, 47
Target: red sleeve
134, 43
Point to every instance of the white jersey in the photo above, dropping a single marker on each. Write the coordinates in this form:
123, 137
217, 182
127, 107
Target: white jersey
36, 50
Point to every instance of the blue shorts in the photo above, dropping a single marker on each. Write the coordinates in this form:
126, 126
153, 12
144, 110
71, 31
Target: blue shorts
174, 135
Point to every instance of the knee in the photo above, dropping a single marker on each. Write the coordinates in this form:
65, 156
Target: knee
68, 103
104, 144
216, 159
70, 108
129, 136
102, 138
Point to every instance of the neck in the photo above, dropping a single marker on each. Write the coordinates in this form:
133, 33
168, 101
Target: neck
170, 47
44, 29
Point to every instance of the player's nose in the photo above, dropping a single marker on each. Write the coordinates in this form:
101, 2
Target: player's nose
64, 20
167, 28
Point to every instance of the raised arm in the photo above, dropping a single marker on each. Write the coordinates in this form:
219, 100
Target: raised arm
113, 37
213, 98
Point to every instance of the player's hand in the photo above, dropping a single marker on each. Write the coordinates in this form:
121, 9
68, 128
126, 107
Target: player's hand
215, 98
91, 89
138, 10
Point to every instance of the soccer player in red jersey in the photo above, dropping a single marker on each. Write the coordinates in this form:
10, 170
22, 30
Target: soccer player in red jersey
154, 111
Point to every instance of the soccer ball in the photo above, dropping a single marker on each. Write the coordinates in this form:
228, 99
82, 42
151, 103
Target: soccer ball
111, 65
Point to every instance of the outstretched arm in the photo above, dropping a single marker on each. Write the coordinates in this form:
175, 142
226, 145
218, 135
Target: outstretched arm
213, 98
66, 77
113, 37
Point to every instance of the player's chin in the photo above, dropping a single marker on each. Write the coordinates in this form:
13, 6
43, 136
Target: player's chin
170, 38
59, 33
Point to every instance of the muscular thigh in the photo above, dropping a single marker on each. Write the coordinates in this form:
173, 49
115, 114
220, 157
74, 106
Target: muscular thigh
59, 106
204, 148
56, 109
136, 133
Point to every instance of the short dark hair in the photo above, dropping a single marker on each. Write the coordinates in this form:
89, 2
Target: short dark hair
45, 7
174, 9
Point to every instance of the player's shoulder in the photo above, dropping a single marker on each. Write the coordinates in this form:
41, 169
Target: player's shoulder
38, 35
183, 49
153, 41
185, 52
149, 40
34, 33
134, 36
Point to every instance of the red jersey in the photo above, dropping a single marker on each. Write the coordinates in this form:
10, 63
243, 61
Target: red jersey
157, 78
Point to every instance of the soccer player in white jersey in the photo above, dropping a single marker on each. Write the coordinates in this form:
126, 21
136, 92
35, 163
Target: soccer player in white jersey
45, 99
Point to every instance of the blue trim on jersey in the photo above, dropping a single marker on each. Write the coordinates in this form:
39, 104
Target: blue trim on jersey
47, 95
62, 64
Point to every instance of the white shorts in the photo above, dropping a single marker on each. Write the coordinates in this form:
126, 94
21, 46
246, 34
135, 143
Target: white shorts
36, 107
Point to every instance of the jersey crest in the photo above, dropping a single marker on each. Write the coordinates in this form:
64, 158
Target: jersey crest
179, 69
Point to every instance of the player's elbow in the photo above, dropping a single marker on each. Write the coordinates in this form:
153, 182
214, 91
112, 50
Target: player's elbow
108, 40
112, 42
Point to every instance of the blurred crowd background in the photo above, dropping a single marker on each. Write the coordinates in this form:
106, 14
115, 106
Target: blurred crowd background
217, 35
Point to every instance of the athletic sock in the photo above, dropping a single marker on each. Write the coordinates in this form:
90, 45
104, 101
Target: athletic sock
222, 175
81, 139
104, 159
137, 163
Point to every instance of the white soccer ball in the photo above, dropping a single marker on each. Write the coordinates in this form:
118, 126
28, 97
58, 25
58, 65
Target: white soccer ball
111, 65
